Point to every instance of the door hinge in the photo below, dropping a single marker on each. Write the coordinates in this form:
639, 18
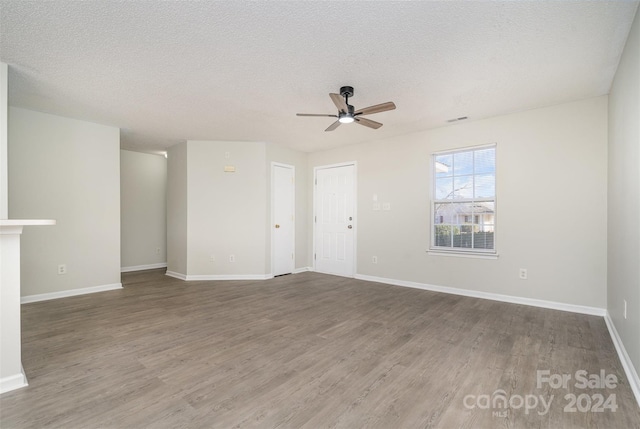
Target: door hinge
315, 218
292, 256
316, 181
314, 257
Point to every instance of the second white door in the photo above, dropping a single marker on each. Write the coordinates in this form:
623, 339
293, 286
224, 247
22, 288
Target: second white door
334, 220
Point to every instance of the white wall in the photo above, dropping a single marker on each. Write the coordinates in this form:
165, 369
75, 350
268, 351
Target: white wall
624, 196
550, 162
177, 209
67, 170
143, 204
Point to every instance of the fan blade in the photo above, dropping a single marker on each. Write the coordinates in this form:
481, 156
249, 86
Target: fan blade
376, 109
316, 114
335, 125
368, 123
339, 102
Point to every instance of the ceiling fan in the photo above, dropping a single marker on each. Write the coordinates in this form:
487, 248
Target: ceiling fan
347, 114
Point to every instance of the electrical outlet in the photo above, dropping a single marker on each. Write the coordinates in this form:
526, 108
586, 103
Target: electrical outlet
625, 308
386, 206
212, 258
157, 250
62, 269
232, 258
374, 259
523, 273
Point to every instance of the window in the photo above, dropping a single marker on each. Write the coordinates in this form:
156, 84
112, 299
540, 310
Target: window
464, 200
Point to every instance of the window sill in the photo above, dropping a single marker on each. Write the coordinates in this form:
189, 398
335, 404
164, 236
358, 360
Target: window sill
462, 254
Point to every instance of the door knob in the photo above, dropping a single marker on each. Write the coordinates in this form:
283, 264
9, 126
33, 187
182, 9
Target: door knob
277, 226
350, 227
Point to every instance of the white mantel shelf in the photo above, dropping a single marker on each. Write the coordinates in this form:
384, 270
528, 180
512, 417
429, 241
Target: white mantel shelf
11, 373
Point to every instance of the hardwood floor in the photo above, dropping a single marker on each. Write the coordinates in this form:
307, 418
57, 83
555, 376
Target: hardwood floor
305, 350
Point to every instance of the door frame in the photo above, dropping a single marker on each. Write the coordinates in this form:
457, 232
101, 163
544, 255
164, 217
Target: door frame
272, 219
355, 211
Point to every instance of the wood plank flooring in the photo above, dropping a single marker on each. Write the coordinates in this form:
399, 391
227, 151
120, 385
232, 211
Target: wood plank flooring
305, 350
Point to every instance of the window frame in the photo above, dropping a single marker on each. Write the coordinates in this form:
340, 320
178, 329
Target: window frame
462, 251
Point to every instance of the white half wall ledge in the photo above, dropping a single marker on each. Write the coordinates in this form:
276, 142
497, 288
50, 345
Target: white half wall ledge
12, 375
572, 308
629, 369
26, 222
143, 267
67, 293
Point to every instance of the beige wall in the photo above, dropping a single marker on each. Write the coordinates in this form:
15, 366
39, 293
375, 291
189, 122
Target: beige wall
624, 196
143, 191
67, 170
226, 211
549, 161
177, 208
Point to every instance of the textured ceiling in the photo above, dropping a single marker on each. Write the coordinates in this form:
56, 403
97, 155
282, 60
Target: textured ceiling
165, 72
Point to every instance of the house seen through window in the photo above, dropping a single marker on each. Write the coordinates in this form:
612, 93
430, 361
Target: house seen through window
464, 200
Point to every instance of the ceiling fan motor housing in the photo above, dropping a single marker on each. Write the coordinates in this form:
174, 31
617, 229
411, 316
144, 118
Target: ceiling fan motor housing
346, 91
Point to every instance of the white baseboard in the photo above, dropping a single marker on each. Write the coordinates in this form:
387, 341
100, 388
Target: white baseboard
202, 277
302, 270
13, 382
195, 277
143, 267
175, 275
629, 369
70, 292
594, 311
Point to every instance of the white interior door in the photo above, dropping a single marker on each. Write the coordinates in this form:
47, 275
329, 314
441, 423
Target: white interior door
283, 238
334, 227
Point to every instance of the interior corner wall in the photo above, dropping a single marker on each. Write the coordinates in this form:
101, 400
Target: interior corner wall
67, 170
551, 200
298, 160
624, 197
143, 203
226, 210
177, 191
4, 166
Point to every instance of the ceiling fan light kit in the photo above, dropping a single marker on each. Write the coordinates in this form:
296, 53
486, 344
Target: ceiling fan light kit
347, 113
